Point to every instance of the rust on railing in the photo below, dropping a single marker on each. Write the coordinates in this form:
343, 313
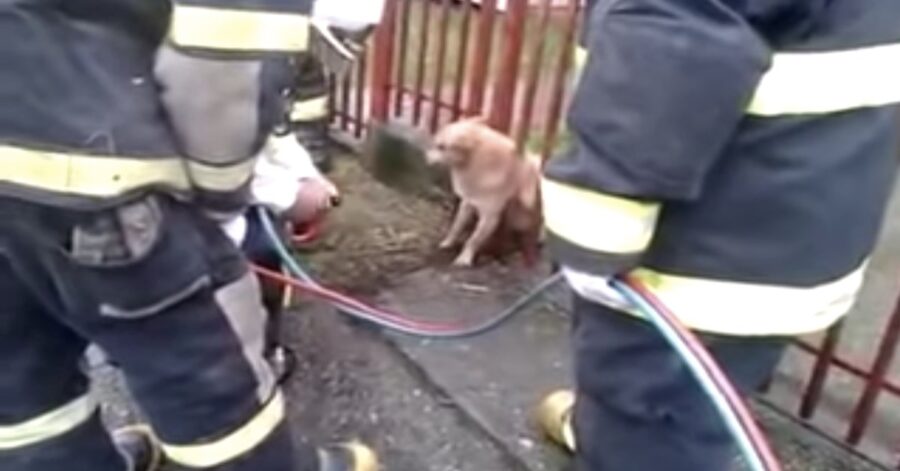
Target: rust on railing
481, 56
382, 67
402, 41
876, 380
820, 372
462, 60
508, 76
559, 80
441, 57
421, 60
534, 72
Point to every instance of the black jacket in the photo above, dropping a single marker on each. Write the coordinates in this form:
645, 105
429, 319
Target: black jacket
731, 146
83, 121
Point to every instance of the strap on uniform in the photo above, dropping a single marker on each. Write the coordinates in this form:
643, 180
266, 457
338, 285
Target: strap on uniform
234, 445
47, 426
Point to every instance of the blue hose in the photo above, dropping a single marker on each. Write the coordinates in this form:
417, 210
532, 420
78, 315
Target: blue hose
752, 446
733, 422
370, 315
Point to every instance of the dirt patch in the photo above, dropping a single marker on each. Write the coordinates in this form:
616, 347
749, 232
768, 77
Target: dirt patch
376, 235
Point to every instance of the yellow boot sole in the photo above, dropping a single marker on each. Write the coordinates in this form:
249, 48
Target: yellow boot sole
554, 418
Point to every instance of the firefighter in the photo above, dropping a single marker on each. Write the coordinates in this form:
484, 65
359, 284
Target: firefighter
127, 132
345, 24
736, 157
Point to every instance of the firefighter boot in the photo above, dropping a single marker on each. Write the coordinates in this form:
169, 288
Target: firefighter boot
352, 456
554, 418
139, 447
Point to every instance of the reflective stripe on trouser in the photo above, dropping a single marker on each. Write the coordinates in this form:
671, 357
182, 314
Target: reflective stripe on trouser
47, 419
170, 300
638, 408
822, 82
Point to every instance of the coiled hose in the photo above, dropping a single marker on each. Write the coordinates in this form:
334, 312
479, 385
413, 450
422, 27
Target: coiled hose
728, 402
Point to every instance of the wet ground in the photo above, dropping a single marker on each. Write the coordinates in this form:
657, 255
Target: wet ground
436, 405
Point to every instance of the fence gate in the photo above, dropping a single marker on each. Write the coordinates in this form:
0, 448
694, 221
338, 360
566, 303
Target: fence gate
434, 61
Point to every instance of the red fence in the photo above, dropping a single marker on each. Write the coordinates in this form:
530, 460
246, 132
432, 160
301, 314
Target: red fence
436, 61
433, 61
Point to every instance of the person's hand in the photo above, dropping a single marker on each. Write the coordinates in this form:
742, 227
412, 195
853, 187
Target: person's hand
314, 198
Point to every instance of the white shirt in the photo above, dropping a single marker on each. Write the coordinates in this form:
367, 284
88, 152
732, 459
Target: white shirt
352, 15
281, 167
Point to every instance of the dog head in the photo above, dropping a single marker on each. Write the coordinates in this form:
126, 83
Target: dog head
455, 143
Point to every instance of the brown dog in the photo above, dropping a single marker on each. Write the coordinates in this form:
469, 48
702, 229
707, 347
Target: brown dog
494, 184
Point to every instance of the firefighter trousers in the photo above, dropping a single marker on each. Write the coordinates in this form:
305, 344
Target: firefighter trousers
171, 301
638, 408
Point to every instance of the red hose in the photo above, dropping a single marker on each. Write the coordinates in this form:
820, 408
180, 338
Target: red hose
338, 298
760, 442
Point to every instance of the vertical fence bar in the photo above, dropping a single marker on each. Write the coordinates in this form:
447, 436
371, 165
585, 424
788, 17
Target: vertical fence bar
534, 73
481, 57
508, 78
382, 67
876, 380
559, 80
436, 93
346, 87
402, 46
360, 99
819, 375
331, 80
422, 61
462, 59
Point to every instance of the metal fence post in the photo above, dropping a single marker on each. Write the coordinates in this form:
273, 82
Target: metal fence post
383, 59
505, 87
484, 42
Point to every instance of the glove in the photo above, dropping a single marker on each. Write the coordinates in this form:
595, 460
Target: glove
314, 198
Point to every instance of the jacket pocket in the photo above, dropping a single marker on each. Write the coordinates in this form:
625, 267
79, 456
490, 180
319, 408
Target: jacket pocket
138, 260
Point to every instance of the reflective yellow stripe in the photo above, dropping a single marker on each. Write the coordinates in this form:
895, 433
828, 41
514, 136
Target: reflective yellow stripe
238, 30
822, 82
581, 58
754, 309
47, 426
234, 445
308, 110
88, 175
829, 82
214, 178
597, 221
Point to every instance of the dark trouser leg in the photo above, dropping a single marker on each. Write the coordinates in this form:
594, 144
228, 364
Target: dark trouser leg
169, 298
309, 112
639, 409
48, 421
258, 249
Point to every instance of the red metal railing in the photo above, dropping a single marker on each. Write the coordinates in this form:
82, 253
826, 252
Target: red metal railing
436, 61
433, 61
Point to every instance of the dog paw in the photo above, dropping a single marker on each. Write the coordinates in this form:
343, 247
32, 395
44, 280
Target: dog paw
446, 244
465, 260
